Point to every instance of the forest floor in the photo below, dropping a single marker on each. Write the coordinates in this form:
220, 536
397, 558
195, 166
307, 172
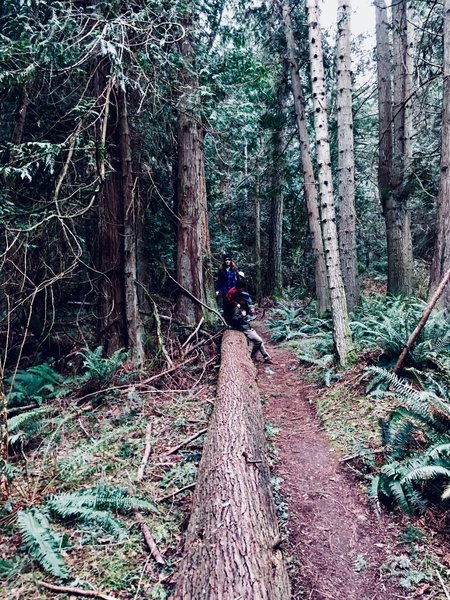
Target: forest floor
339, 546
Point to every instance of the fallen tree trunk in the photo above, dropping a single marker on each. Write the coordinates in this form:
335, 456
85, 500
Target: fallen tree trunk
232, 544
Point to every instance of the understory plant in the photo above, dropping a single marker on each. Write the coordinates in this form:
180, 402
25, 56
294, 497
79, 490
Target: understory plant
416, 438
95, 507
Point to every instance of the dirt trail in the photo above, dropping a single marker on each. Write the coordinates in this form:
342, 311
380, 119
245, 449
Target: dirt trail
339, 541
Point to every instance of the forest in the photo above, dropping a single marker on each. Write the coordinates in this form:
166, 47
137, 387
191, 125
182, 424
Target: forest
143, 453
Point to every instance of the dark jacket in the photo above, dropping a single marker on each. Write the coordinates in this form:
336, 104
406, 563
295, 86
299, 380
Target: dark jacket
234, 302
226, 279
237, 321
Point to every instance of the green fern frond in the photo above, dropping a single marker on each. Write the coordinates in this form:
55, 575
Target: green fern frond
101, 369
97, 498
42, 544
415, 400
27, 424
425, 472
34, 384
398, 493
439, 451
73, 507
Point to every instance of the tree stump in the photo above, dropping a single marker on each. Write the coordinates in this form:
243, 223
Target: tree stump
232, 544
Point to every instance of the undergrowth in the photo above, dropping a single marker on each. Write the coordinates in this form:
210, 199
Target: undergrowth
75, 503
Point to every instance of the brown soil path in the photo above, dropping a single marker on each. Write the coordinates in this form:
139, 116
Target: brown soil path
339, 541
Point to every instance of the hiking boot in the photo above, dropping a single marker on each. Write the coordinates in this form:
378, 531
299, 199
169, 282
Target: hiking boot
268, 360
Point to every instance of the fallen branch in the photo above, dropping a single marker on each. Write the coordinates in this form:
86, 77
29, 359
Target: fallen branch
423, 320
148, 441
178, 491
158, 326
199, 324
197, 299
186, 442
61, 589
441, 581
149, 540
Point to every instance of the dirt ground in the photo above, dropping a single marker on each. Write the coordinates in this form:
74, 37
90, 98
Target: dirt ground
337, 543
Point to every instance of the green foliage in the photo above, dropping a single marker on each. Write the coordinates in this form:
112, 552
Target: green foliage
35, 384
41, 543
101, 369
418, 444
29, 424
103, 498
93, 507
385, 323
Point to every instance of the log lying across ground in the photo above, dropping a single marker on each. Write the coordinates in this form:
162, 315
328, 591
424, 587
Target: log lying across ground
232, 546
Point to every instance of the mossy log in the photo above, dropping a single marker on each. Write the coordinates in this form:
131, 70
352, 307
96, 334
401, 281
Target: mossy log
232, 546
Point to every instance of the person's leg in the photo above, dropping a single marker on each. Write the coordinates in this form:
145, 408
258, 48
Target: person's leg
258, 345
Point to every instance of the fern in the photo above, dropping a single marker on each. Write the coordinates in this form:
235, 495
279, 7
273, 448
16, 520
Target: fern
101, 369
27, 424
42, 544
35, 384
97, 498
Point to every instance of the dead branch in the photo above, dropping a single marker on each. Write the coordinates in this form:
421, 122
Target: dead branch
178, 491
154, 551
199, 324
423, 320
148, 441
158, 326
186, 442
61, 589
213, 310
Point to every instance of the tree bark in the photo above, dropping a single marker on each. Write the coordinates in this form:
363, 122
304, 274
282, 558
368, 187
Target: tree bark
193, 244
257, 206
274, 282
112, 331
320, 269
341, 328
400, 257
232, 545
394, 160
346, 157
130, 202
441, 256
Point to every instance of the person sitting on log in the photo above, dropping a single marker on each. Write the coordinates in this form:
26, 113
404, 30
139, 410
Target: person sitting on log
236, 313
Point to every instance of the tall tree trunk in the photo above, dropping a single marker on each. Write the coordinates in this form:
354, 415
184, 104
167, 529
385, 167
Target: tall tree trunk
257, 205
320, 269
274, 282
384, 105
341, 328
130, 212
193, 250
396, 213
112, 331
346, 157
441, 256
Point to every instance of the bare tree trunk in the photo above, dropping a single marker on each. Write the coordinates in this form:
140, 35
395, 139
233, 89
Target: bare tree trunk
112, 331
321, 282
441, 256
346, 157
232, 544
341, 328
193, 251
130, 210
274, 281
384, 104
257, 204
400, 259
